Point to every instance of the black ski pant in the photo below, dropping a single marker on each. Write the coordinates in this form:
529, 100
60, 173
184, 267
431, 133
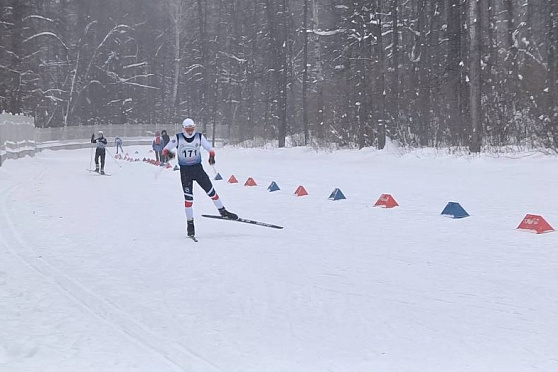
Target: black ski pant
159, 155
191, 173
100, 153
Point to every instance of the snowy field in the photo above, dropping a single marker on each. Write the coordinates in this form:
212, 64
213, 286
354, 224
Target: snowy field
97, 275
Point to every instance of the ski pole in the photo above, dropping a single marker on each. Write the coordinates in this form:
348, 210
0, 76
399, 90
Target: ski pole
91, 157
159, 171
113, 158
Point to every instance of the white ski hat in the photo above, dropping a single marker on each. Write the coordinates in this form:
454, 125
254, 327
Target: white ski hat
188, 123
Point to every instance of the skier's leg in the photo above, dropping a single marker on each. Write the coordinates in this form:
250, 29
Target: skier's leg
187, 188
205, 183
103, 154
187, 183
97, 155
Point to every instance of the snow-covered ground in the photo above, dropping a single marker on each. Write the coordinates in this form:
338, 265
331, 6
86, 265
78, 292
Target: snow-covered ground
96, 273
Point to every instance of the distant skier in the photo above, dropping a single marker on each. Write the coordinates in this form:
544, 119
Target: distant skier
165, 137
118, 144
166, 140
158, 146
100, 153
188, 144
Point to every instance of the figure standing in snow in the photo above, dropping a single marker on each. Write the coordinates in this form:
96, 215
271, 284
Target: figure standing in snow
157, 146
166, 140
118, 144
100, 153
188, 144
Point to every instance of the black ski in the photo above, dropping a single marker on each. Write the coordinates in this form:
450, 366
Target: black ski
194, 238
243, 220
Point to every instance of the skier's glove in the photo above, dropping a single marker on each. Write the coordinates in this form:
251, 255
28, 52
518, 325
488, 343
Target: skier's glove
92, 137
211, 157
168, 153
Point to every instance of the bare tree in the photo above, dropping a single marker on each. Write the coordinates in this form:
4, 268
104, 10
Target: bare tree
176, 12
305, 71
332, 70
475, 110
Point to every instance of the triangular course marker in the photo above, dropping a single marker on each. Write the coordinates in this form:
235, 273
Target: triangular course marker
218, 177
250, 182
454, 210
301, 191
535, 223
273, 187
233, 179
386, 201
337, 195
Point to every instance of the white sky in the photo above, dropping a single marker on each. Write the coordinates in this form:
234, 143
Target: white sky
96, 273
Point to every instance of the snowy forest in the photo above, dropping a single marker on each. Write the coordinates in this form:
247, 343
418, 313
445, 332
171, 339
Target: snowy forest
434, 73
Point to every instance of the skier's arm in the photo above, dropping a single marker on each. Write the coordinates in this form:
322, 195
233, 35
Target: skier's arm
167, 150
93, 140
103, 140
206, 145
172, 143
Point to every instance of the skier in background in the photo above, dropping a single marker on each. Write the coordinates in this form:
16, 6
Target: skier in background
118, 144
166, 140
157, 146
188, 144
100, 152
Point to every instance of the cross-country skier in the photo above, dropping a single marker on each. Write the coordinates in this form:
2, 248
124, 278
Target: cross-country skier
118, 144
188, 146
166, 140
100, 153
157, 145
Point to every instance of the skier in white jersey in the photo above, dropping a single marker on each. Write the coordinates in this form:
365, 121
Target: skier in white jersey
188, 146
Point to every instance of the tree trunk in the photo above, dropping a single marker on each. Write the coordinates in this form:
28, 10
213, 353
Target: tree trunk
552, 74
475, 139
14, 68
396, 84
204, 62
277, 19
283, 77
305, 72
176, 16
456, 99
381, 85
320, 79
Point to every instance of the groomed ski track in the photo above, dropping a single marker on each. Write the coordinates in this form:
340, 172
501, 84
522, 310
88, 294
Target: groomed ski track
97, 274
170, 353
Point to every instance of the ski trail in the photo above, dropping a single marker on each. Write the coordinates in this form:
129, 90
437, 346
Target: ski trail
175, 354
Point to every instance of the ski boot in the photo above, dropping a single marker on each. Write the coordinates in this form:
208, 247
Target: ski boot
103, 172
190, 228
226, 214
97, 169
